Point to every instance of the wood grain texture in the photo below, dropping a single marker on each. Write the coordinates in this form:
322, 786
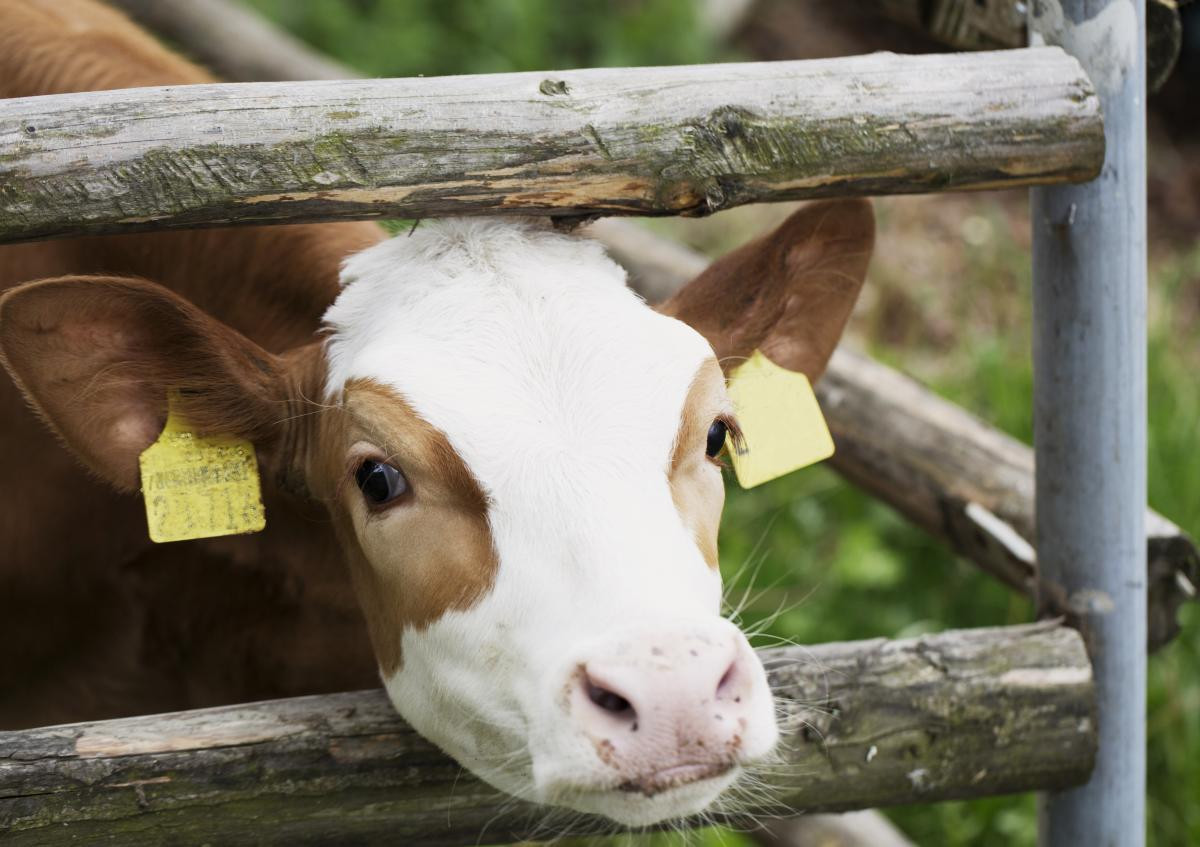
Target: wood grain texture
646, 141
960, 714
943, 468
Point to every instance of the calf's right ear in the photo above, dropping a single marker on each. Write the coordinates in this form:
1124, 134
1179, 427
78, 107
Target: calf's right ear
96, 356
789, 293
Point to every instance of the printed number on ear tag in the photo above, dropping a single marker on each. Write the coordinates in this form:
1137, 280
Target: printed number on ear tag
782, 426
199, 487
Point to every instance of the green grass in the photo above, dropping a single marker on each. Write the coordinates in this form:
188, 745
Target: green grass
842, 565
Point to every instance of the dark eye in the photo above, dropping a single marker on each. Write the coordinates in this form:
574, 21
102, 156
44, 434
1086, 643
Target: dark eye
379, 482
717, 433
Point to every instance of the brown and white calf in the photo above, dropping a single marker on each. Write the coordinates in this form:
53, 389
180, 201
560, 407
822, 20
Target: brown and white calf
513, 457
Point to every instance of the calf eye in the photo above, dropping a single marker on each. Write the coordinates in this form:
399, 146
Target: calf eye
716, 438
379, 482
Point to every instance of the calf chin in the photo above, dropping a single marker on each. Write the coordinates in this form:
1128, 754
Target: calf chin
633, 808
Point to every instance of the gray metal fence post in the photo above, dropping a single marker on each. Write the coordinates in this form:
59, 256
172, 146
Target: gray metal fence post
1089, 348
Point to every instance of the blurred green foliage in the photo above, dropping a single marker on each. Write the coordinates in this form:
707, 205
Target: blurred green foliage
838, 564
438, 37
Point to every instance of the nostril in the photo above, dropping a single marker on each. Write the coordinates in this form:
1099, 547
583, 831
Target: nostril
609, 701
608, 696
728, 680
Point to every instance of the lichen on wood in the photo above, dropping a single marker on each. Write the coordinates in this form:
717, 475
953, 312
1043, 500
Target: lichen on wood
647, 141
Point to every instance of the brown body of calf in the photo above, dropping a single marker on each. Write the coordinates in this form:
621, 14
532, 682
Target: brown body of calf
96, 620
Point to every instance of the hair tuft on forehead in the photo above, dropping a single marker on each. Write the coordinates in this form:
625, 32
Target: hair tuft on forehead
453, 248
455, 278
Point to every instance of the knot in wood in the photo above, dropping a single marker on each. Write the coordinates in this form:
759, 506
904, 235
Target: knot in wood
553, 87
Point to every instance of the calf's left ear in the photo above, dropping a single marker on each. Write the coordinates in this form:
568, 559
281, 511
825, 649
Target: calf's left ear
788, 293
96, 356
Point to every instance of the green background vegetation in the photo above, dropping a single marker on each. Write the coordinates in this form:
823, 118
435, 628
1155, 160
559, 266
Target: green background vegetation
947, 300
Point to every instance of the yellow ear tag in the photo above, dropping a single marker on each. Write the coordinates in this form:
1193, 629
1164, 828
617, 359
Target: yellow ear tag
199, 487
782, 426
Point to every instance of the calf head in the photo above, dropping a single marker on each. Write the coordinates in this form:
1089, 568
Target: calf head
520, 459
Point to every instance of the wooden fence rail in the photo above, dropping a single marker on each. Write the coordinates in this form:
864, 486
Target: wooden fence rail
873, 723
646, 141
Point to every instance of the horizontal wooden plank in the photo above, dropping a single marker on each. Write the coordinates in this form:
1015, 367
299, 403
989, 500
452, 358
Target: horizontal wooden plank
871, 723
644, 141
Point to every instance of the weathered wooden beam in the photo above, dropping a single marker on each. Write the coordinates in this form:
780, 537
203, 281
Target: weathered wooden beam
993, 24
646, 141
960, 714
943, 468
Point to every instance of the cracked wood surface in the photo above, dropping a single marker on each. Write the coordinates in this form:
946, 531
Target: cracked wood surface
943, 468
873, 723
642, 141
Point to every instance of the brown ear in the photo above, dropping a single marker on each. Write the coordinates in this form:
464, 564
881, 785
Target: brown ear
789, 293
96, 356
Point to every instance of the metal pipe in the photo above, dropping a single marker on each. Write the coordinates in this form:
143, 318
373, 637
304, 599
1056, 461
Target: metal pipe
1089, 348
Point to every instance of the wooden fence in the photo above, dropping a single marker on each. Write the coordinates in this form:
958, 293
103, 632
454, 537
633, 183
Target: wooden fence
868, 724
872, 723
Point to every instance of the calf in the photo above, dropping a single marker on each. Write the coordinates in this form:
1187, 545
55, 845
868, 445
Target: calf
516, 460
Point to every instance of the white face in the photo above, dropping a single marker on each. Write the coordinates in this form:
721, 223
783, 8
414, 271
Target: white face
587, 665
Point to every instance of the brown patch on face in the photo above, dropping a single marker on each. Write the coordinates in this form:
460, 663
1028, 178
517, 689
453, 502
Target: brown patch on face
699, 494
429, 553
